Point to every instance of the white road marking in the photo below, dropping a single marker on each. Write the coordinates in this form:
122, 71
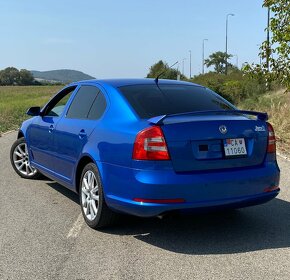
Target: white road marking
76, 228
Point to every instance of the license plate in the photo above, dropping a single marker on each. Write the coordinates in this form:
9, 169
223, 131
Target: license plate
235, 147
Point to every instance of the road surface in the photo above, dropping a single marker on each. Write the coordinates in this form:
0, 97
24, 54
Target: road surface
43, 236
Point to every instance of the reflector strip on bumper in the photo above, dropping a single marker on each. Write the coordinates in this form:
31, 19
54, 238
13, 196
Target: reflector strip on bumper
158, 201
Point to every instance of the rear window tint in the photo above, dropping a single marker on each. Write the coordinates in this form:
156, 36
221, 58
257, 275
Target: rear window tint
82, 103
150, 100
98, 107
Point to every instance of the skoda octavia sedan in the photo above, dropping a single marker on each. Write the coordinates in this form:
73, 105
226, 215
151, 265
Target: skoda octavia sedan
145, 147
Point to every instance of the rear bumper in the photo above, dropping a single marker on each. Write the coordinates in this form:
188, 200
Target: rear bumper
231, 188
153, 209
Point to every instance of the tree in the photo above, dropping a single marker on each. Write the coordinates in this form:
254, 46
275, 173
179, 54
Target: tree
278, 50
25, 77
9, 76
218, 60
168, 73
12, 76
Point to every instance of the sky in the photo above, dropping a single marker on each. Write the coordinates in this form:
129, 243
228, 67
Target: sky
122, 39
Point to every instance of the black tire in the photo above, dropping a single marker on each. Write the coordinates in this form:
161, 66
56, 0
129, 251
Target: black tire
34, 174
104, 216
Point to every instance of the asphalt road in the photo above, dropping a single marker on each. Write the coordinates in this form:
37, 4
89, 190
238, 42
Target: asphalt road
43, 236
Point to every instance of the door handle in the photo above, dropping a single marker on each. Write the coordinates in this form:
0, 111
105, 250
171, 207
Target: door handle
51, 128
82, 134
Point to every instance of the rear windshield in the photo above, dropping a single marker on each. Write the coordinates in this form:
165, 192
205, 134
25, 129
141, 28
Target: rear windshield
151, 100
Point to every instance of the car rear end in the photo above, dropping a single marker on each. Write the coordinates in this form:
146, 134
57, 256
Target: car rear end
195, 151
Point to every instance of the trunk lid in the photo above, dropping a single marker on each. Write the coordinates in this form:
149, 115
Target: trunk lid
196, 142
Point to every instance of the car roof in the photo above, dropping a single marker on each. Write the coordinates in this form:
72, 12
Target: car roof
128, 82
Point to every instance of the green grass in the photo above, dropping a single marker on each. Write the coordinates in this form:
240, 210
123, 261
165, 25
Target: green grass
15, 100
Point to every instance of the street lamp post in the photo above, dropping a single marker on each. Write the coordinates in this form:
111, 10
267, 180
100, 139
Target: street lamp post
203, 54
189, 64
227, 18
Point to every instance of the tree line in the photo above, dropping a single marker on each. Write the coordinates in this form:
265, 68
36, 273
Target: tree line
11, 76
235, 86
218, 60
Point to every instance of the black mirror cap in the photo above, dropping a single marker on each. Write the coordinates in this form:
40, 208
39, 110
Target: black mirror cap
33, 111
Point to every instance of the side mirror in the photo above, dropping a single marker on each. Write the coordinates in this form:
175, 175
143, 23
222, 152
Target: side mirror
33, 111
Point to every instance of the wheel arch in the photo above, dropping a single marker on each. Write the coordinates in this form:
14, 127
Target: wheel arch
84, 160
20, 134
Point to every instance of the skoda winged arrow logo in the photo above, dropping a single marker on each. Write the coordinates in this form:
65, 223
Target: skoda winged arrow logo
223, 129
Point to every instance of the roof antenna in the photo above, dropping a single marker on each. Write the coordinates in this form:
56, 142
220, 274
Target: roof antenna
156, 79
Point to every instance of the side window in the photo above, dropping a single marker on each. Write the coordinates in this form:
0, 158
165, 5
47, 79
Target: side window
87, 103
57, 104
82, 102
98, 108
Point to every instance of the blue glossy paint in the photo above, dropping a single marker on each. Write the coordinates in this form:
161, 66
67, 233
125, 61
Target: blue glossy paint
203, 178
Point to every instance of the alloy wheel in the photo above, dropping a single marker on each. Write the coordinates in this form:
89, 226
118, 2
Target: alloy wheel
21, 160
90, 195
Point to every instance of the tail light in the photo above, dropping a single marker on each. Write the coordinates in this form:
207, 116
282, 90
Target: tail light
150, 145
271, 189
271, 139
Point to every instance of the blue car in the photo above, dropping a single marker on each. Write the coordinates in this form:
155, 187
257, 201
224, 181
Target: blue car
145, 147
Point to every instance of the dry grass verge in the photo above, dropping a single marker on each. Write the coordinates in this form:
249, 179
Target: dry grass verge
277, 105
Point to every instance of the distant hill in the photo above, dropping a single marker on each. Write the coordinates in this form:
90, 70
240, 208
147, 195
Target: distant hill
63, 75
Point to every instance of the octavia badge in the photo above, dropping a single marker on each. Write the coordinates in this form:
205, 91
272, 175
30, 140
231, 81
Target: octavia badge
223, 129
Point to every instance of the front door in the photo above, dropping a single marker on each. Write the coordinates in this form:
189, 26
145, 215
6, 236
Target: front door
41, 133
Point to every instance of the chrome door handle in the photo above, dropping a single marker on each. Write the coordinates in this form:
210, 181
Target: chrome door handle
82, 134
51, 128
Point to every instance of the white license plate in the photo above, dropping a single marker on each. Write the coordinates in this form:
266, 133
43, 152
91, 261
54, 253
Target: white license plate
235, 147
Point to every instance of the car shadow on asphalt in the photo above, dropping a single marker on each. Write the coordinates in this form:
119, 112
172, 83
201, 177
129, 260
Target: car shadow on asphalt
250, 229
64, 191
266, 226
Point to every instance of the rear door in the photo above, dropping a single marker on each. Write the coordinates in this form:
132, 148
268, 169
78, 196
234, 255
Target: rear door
75, 127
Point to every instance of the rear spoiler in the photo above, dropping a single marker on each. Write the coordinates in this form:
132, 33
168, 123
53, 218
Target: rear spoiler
260, 116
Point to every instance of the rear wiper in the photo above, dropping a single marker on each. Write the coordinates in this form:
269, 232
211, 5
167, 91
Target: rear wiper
260, 116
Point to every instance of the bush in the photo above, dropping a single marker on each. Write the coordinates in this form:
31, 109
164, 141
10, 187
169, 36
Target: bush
235, 87
233, 91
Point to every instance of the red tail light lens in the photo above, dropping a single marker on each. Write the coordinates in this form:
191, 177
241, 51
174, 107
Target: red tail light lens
271, 189
150, 145
271, 139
